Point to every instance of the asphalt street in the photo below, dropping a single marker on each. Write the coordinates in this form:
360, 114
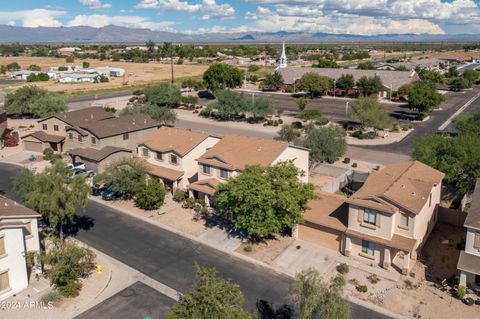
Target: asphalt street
170, 258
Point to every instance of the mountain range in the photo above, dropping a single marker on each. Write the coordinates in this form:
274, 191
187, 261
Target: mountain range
114, 34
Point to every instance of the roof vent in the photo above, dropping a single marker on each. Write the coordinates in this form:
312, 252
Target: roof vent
413, 194
403, 186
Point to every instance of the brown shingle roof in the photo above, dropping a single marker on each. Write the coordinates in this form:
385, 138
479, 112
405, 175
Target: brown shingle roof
206, 186
119, 125
46, 138
235, 152
473, 216
163, 172
469, 263
12, 209
83, 116
406, 184
97, 155
397, 241
167, 139
329, 210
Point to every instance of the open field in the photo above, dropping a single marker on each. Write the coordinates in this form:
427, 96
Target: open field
466, 55
135, 73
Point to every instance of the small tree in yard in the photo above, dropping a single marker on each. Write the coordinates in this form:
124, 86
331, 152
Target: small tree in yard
315, 84
317, 299
326, 144
288, 133
163, 115
212, 297
423, 97
273, 80
369, 85
163, 94
53, 193
264, 201
222, 76
301, 103
345, 82
151, 196
371, 113
460, 83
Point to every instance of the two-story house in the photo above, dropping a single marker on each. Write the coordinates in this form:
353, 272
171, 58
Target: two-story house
387, 221
233, 153
52, 129
18, 236
99, 143
469, 260
171, 154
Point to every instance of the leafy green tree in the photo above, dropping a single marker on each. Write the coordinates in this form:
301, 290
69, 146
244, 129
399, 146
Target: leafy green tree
260, 108
127, 176
423, 97
34, 67
315, 84
193, 83
460, 83
222, 76
14, 66
345, 82
264, 201
371, 113
301, 103
151, 196
67, 264
150, 46
452, 72
38, 77
471, 76
163, 94
369, 85
163, 115
367, 65
325, 63
287, 133
31, 100
53, 193
212, 297
431, 75
273, 80
326, 144
468, 123
317, 299
309, 115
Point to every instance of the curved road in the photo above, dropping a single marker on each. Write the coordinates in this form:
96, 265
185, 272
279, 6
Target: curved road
170, 258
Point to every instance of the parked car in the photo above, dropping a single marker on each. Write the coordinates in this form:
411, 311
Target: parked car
109, 193
82, 172
77, 165
98, 188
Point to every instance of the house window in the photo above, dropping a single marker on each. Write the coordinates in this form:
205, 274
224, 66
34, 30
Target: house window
159, 156
55, 128
44, 127
476, 241
368, 247
223, 173
145, 152
4, 283
370, 217
94, 140
173, 159
206, 169
2, 246
403, 220
125, 136
70, 136
80, 138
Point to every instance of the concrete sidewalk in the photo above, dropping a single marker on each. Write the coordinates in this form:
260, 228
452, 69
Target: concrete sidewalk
221, 239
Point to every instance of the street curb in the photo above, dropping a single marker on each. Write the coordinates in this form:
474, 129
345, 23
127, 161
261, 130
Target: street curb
240, 256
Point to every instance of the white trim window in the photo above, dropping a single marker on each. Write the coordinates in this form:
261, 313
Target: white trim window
368, 247
403, 220
370, 216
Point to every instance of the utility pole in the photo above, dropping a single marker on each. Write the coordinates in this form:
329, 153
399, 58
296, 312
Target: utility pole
171, 62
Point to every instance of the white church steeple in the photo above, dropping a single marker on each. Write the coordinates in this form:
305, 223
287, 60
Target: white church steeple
283, 57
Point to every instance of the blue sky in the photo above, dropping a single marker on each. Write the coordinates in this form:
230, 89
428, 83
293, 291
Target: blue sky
368, 17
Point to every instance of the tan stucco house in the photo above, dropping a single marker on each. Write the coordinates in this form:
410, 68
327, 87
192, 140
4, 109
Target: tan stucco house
387, 221
234, 153
469, 260
171, 154
52, 130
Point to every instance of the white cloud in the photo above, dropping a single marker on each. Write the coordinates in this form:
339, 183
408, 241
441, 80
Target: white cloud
213, 10
101, 20
95, 4
32, 18
209, 8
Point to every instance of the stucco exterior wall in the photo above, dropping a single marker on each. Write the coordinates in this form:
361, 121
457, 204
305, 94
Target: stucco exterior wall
190, 165
299, 157
356, 251
384, 230
51, 122
425, 221
469, 242
14, 261
214, 173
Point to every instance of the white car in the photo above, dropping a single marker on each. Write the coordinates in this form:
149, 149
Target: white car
77, 165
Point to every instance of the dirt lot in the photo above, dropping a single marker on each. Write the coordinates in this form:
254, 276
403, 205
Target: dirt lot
135, 73
266, 251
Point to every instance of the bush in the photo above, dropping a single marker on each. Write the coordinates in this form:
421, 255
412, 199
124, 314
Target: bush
151, 196
275, 123
137, 92
322, 121
110, 109
189, 99
343, 268
373, 279
396, 128
280, 121
460, 293
361, 288
248, 248
339, 281
48, 154
51, 297
407, 127
179, 195
354, 165
408, 284
70, 289
297, 125
253, 68
346, 160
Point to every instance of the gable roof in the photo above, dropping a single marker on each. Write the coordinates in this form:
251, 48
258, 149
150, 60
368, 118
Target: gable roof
169, 139
235, 152
405, 184
119, 125
12, 209
473, 216
206, 186
82, 116
97, 155
328, 210
46, 138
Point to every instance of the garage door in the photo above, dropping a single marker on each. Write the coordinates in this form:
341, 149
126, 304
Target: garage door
322, 236
33, 146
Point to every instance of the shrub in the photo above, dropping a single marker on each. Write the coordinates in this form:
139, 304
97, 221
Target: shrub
248, 248
322, 121
361, 288
253, 68
137, 92
280, 121
373, 279
408, 283
275, 123
460, 293
179, 195
356, 134
346, 160
354, 165
110, 109
48, 154
71, 289
51, 297
396, 128
297, 125
407, 127
343, 268
189, 99
151, 196
339, 281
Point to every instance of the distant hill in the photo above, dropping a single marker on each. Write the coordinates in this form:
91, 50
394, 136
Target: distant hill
112, 34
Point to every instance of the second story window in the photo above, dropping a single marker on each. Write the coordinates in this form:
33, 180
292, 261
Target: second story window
370, 217
206, 169
173, 159
94, 140
125, 136
44, 127
159, 156
55, 128
223, 173
145, 152
70, 136
404, 220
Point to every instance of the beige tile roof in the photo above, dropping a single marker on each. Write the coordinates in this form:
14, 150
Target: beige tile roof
235, 152
469, 263
406, 185
397, 241
473, 216
82, 116
206, 186
329, 210
12, 209
46, 138
97, 155
163, 172
167, 139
